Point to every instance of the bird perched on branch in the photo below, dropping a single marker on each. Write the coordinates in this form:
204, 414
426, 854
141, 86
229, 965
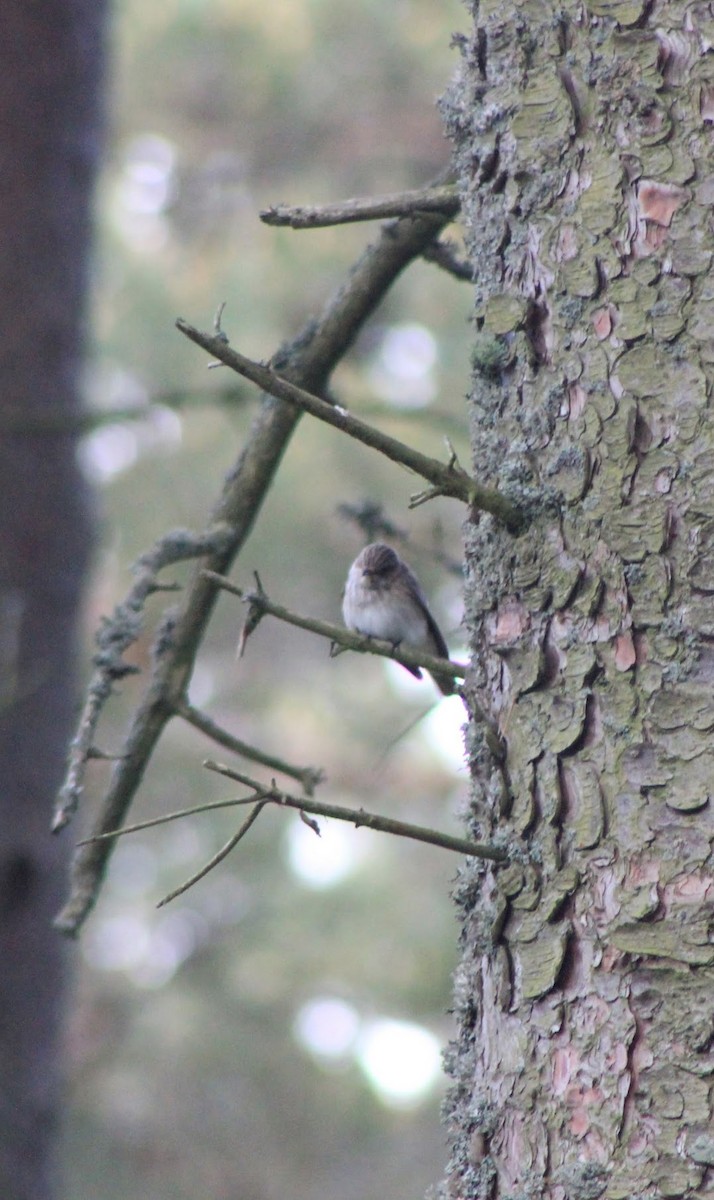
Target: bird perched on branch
383, 599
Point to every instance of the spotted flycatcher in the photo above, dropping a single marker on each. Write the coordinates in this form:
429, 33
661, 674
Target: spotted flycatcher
383, 599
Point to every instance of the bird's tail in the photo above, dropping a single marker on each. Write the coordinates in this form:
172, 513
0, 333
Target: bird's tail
446, 683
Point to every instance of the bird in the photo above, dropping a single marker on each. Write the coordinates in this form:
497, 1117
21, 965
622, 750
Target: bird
383, 599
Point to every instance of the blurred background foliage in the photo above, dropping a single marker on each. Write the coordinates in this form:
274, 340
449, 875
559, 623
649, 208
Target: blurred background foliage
276, 1030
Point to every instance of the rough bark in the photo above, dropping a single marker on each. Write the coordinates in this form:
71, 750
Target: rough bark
50, 68
584, 1060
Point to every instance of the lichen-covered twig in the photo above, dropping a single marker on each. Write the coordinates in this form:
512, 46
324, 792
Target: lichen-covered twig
114, 637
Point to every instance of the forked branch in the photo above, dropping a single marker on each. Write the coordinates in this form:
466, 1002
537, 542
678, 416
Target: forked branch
307, 363
263, 795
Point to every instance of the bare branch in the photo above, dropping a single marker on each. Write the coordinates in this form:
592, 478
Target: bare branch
259, 601
308, 777
443, 199
425, 418
446, 479
308, 361
272, 795
166, 819
222, 853
359, 818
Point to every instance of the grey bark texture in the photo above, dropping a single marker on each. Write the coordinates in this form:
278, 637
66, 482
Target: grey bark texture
584, 1060
50, 75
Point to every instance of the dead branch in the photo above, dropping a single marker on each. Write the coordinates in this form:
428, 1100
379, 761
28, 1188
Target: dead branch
307, 362
443, 199
224, 851
447, 479
260, 605
308, 777
263, 795
359, 818
114, 637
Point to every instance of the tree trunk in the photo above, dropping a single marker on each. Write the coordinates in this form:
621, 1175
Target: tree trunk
584, 1059
50, 75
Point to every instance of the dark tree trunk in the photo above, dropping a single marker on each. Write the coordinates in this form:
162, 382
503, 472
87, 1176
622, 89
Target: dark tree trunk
51, 66
584, 1061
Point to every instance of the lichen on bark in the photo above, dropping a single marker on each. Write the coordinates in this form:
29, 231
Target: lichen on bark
585, 998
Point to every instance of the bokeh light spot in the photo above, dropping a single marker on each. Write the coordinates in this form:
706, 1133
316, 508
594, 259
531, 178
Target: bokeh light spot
327, 1027
402, 1061
324, 861
403, 370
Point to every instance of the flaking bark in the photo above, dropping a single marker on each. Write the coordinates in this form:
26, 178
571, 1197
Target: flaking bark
585, 998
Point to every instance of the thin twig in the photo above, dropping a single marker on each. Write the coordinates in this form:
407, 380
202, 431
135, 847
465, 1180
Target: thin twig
447, 479
166, 819
444, 199
308, 777
376, 526
340, 634
219, 856
371, 519
444, 255
403, 733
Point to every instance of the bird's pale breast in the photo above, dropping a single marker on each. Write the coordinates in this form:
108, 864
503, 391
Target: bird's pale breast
381, 613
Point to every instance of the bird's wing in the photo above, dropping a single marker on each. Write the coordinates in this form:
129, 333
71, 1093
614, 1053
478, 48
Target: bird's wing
441, 648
